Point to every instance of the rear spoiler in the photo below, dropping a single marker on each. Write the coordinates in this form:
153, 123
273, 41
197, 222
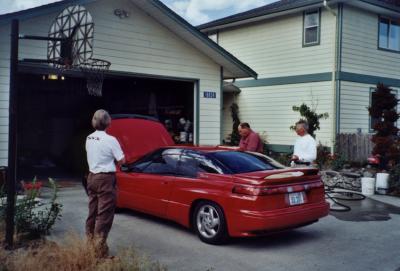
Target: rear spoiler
283, 176
300, 174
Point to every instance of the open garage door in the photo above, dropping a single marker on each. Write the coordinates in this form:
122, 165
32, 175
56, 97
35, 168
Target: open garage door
54, 116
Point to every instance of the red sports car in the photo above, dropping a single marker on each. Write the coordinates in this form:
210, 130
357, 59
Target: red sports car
217, 191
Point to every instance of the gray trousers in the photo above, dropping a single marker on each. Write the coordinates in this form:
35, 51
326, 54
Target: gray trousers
102, 200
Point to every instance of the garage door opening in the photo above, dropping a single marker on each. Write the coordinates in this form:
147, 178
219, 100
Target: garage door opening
54, 117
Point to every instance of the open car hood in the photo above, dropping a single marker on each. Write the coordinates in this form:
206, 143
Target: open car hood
138, 136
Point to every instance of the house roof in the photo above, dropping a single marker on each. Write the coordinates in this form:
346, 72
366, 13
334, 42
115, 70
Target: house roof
260, 11
232, 67
284, 6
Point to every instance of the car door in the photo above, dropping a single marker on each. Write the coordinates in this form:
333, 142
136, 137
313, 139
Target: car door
148, 185
187, 185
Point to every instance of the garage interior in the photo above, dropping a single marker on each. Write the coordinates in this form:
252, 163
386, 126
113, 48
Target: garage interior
54, 116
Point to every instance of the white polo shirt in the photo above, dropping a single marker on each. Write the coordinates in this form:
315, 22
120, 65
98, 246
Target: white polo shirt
305, 148
102, 150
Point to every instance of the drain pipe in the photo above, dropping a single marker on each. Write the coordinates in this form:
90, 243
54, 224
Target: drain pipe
334, 70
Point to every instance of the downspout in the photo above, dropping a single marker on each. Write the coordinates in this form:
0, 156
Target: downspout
334, 75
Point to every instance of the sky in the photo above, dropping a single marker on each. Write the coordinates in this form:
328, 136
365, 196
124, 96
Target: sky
194, 11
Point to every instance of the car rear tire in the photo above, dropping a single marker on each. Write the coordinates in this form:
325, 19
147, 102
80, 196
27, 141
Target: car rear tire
209, 223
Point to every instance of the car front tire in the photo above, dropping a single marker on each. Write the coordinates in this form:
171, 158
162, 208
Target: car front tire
209, 223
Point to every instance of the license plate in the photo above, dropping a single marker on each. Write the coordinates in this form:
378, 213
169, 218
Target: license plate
296, 198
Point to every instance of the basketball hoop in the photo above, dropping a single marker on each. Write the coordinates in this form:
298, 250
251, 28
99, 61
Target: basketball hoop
70, 46
70, 40
94, 70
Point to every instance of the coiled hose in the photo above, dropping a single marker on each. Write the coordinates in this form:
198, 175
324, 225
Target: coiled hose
336, 192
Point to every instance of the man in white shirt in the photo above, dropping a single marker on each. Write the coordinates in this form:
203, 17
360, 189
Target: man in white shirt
305, 147
102, 151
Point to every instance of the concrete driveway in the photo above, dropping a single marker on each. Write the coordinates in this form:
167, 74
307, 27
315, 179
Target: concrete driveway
367, 238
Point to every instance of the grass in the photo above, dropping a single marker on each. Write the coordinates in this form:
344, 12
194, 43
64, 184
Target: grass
72, 254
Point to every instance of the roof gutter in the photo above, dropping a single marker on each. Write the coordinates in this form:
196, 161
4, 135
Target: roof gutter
335, 69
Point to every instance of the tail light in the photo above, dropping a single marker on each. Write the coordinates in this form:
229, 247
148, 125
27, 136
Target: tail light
253, 190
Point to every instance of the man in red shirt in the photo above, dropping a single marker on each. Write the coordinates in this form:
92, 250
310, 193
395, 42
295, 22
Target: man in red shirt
250, 140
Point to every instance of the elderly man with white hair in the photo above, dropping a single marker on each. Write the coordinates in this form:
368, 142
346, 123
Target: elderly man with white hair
305, 147
103, 151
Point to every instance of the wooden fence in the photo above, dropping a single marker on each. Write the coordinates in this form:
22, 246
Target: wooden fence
354, 147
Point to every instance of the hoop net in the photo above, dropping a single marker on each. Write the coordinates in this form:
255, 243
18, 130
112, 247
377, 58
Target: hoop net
94, 69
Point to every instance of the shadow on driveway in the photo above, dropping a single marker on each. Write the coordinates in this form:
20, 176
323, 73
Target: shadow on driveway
366, 210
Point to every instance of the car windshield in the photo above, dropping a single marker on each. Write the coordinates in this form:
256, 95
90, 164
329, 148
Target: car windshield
244, 162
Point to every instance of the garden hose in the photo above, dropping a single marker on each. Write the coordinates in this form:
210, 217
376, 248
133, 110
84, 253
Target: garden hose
332, 193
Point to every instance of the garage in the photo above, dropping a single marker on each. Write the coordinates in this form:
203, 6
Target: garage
54, 116
159, 66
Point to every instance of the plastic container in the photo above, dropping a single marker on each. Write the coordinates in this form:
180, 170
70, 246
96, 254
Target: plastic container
382, 183
367, 186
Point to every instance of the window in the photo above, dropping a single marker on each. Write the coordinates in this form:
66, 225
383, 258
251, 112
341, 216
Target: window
389, 34
242, 162
311, 24
165, 164
162, 161
193, 163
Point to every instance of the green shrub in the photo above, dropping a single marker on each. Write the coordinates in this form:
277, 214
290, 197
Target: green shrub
324, 156
35, 219
308, 114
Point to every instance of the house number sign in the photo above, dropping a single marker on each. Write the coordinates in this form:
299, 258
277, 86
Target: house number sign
210, 94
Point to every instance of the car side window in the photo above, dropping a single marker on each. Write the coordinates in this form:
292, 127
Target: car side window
188, 167
163, 164
193, 163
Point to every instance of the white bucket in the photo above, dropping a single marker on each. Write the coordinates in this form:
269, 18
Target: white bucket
367, 186
382, 183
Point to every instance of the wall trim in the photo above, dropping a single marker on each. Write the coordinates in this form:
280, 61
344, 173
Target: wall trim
339, 65
319, 77
285, 80
197, 89
368, 79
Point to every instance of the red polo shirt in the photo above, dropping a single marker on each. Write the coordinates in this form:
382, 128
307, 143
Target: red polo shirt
252, 143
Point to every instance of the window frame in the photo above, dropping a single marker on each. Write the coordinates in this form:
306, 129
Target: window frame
318, 42
387, 36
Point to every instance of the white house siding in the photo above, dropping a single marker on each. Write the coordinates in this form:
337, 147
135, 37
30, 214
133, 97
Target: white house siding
355, 98
360, 52
4, 92
360, 55
137, 44
269, 110
274, 48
